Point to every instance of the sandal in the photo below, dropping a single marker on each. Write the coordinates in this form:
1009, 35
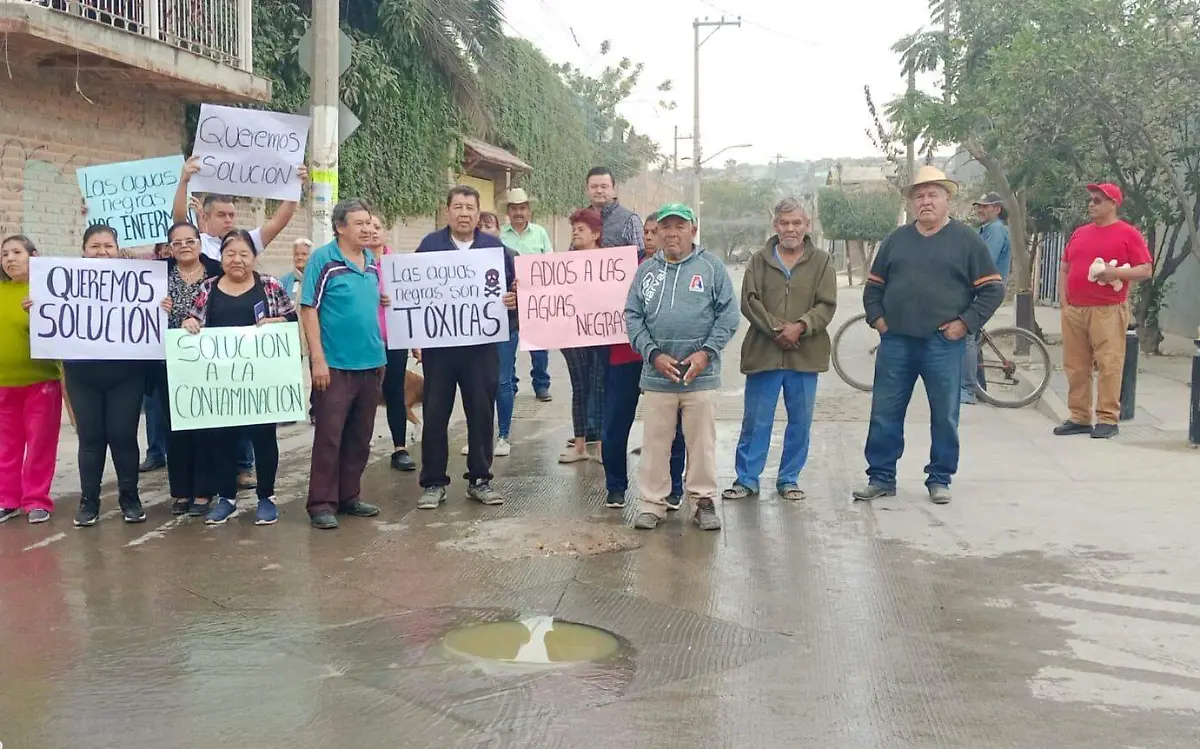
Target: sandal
791, 492
573, 456
737, 491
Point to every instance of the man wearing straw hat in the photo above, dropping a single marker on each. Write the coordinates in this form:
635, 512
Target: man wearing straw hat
933, 283
527, 238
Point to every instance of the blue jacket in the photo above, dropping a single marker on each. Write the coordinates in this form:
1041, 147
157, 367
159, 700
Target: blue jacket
995, 235
441, 241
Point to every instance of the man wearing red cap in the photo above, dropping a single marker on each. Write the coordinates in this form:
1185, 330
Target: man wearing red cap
1102, 260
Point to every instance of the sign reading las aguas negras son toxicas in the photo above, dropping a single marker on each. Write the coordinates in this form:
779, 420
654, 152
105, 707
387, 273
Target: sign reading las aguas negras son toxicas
249, 152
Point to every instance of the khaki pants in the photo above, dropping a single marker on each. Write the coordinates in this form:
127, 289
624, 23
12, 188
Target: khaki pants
660, 411
1094, 335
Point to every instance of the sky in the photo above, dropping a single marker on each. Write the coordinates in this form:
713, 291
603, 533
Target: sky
789, 81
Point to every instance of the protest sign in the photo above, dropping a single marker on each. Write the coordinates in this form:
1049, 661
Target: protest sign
86, 308
249, 152
572, 299
442, 299
133, 197
224, 377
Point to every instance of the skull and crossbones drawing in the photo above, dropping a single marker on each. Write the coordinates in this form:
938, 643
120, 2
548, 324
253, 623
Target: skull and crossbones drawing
491, 283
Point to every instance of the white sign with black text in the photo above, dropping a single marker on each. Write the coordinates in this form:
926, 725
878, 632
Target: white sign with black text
444, 299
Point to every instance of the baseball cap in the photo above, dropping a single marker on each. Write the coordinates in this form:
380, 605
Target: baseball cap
1109, 190
990, 198
679, 210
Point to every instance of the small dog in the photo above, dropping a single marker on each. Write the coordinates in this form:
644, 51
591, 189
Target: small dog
414, 395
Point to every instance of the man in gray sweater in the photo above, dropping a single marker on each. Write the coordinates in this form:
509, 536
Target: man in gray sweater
681, 313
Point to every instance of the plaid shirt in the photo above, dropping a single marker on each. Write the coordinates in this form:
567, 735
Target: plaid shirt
279, 301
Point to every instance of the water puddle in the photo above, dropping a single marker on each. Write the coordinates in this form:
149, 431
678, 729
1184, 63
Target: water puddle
536, 641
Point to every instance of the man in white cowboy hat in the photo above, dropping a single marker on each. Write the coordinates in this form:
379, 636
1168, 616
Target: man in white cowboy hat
932, 284
528, 238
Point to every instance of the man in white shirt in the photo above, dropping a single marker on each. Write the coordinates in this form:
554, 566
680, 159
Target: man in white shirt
218, 215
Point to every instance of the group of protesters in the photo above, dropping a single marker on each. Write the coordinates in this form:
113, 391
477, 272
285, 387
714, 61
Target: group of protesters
932, 286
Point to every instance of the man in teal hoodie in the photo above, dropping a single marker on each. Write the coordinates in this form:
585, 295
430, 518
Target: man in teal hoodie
681, 313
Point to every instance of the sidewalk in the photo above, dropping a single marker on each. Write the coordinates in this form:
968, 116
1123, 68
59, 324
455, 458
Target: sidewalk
1163, 393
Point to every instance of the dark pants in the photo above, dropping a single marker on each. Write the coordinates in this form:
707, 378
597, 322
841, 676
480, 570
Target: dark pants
226, 443
475, 371
193, 471
156, 424
107, 399
245, 453
621, 394
900, 361
586, 366
539, 370
393, 395
345, 418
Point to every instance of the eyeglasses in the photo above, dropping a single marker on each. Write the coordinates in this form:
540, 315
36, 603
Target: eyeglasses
1097, 200
179, 244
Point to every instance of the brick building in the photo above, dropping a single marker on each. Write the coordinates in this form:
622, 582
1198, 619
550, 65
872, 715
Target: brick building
80, 86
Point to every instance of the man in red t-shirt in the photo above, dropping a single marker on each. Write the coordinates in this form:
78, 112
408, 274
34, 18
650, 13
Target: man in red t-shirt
1095, 313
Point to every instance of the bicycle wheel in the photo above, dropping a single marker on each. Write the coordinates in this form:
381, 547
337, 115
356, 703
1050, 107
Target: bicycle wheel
854, 347
1015, 367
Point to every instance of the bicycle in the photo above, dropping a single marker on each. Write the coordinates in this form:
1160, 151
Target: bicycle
1013, 362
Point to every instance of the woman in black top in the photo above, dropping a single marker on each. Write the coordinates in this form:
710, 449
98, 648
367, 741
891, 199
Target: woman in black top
241, 297
106, 397
190, 468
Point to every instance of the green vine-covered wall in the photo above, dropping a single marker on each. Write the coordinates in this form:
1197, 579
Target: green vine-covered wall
535, 116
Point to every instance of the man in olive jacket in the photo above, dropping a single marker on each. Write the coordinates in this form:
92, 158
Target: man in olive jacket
789, 295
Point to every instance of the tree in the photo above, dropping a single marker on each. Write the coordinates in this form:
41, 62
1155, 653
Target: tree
737, 214
857, 218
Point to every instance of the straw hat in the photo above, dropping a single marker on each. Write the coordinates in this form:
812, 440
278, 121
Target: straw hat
516, 196
931, 175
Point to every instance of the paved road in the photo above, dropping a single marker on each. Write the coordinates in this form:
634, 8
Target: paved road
1056, 602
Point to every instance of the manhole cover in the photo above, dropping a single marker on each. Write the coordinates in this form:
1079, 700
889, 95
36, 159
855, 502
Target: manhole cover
536, 641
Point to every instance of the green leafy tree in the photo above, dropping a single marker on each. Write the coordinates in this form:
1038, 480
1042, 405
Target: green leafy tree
737, 214
858, 218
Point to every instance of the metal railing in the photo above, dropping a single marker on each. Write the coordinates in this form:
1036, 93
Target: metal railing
1049, 257
216, 29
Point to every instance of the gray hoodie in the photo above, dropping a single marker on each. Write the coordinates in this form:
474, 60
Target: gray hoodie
678, 309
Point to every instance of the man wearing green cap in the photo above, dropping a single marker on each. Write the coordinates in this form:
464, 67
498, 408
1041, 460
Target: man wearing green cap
681, 313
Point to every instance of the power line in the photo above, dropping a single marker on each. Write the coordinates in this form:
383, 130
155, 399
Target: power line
762, 27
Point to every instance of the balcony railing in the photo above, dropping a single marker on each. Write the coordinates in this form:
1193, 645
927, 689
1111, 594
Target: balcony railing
217, 29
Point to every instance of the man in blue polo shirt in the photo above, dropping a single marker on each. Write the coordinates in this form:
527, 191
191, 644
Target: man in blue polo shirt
473, 370
339, 309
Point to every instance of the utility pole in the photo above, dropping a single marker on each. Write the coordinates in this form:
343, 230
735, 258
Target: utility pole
910, 148
678, 138
696, 151
324, 173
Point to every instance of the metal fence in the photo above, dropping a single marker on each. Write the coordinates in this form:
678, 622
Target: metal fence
217, 29
1049, 257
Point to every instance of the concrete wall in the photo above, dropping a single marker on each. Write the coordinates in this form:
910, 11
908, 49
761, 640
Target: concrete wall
48, 130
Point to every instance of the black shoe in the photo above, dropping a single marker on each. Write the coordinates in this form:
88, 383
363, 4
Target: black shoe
615, 500
402, 461
1067, 428
180, 506
359, 510
1105, 431
89, 512
199, 507
132, 511
674, 501
151, 464
324, 521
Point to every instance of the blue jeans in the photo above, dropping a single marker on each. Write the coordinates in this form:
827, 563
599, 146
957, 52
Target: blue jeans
507, 389
156, 428
245, 452
972, 369
621, 394
899, 362
539, 373
758, 419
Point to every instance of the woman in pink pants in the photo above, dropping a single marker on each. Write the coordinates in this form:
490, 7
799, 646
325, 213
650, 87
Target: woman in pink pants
30, 396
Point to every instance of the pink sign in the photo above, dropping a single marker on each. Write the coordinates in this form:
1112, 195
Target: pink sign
572, 299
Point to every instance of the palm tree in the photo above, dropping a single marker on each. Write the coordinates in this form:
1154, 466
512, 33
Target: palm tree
452, 34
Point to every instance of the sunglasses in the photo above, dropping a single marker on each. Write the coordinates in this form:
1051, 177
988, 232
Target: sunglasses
1097, 200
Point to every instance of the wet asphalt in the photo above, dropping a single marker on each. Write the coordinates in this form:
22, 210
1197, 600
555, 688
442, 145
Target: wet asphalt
1055, 603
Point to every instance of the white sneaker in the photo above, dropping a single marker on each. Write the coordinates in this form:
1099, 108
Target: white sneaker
502, 449
465, 451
